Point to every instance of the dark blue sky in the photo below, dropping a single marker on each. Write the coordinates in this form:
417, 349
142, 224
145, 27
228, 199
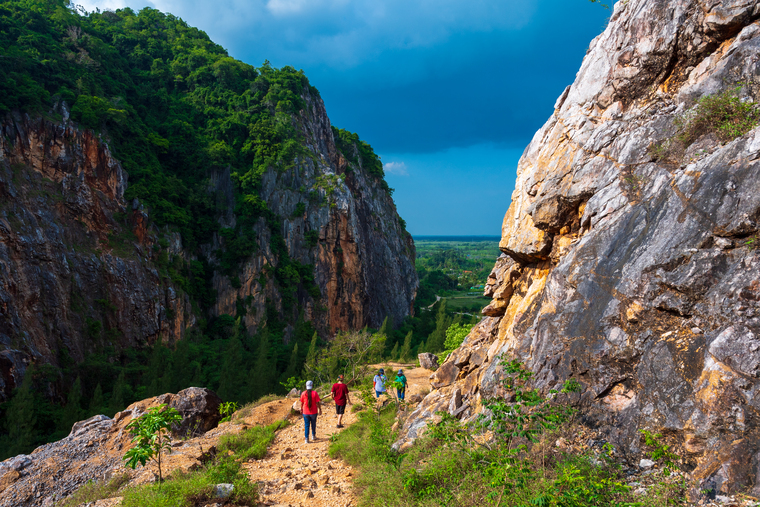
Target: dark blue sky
448, 92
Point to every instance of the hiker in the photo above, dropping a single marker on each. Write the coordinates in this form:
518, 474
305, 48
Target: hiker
402, 390
340, 395
379, 382
311, 405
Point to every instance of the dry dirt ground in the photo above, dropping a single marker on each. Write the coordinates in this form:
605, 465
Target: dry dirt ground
294, 473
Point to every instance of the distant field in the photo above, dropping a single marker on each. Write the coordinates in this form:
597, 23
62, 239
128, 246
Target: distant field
465, 260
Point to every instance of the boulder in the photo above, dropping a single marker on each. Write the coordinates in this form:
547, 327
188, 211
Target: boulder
414, 399
199, 408
428, 361
223, 490
445, 375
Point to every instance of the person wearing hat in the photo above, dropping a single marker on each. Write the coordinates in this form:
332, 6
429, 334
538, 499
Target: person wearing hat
340, 395
379, 382
311, 405
400, 378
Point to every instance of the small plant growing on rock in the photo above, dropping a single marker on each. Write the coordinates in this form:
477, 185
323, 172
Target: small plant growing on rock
525, 413
226, 409
152, 438
660, 452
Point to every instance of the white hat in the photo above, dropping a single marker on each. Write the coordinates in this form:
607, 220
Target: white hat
309, 384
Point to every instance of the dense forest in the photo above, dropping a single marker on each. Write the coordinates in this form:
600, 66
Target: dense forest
172, 106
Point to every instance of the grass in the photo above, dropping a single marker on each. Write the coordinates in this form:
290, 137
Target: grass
94, 490
447, 467
251, 443
187, 489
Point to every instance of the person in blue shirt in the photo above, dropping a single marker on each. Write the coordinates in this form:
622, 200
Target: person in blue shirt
379, 382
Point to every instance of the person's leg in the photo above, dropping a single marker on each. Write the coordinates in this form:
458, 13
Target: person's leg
314, 426
340, 410
306, 421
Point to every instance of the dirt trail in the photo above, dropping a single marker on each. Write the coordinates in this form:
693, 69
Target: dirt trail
294, 473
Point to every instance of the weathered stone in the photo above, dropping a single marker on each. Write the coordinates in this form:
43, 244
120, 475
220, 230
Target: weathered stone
428, 361
8, 478
294, 393
444, 376
414, 399
456, 401
199, 408
223, 490
633, 273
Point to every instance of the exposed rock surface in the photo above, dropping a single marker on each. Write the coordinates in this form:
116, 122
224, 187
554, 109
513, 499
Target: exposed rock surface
94, 449
635, 277
428, 360
77, 264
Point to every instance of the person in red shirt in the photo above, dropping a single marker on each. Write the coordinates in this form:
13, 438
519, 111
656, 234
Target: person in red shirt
311, 405
340, 395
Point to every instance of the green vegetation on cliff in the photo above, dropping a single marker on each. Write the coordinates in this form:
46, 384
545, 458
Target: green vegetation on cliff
174, 106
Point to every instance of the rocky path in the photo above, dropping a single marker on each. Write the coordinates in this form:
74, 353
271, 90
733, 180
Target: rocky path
294, 473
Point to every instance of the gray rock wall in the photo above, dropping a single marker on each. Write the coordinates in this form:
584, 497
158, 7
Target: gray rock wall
637, 277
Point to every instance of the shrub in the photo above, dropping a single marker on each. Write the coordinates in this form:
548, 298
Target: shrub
723, 114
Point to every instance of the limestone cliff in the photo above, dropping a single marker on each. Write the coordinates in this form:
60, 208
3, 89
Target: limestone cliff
636, 275
79, 265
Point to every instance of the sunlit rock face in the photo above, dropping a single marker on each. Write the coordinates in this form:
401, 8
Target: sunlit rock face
78, 264
637, 277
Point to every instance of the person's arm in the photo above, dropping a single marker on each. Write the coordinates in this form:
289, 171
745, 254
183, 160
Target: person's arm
319, 406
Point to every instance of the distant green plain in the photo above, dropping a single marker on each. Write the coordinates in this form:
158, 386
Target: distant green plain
455, 268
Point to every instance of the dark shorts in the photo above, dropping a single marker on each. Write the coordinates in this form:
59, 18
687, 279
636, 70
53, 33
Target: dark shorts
340, 409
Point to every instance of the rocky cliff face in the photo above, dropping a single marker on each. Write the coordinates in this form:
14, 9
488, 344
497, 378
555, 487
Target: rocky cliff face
633, 274
78, 264
363, 258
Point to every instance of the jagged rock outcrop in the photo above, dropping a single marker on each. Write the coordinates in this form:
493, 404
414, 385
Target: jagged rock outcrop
95, 447
636, 276
77, 262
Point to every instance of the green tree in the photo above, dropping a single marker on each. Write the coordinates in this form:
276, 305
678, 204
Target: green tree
394, 352
437, 338
455, 335
21, 419
292, 369
97, 403
232, 377
311, 355
261, 375
152, 436
406, 349
73, 411
118, 394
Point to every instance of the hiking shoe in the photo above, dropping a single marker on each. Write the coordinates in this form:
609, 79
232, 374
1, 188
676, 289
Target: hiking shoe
340, 426
307, 440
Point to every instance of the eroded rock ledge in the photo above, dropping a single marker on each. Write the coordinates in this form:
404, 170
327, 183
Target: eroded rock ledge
635, 277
